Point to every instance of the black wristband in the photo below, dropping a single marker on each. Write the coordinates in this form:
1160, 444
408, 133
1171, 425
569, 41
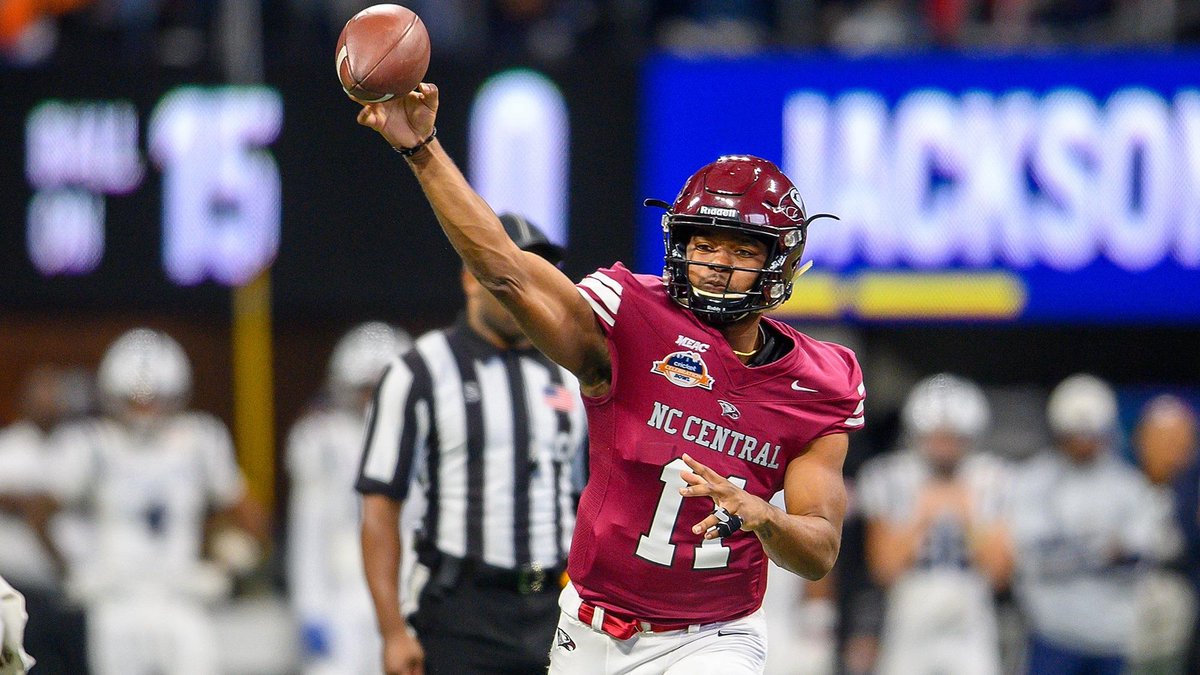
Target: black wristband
409, 152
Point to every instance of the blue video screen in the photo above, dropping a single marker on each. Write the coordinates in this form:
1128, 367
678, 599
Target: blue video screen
1054, 188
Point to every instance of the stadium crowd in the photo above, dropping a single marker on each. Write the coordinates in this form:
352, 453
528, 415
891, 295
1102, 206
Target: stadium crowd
183, 33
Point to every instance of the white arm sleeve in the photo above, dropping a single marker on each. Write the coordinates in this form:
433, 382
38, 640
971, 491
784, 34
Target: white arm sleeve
1150, 530
307, 564
73, 460
223, 479
872, 488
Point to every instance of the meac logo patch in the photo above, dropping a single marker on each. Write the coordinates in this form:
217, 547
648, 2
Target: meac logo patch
684, 369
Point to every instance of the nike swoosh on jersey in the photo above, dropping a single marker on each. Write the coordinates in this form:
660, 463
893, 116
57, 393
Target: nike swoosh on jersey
724, 633
797, 387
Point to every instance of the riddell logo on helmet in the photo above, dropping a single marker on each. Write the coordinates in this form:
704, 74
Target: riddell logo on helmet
790, 205
718, 211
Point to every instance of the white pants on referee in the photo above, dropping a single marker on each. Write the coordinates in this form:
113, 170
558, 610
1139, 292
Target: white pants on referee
736, 647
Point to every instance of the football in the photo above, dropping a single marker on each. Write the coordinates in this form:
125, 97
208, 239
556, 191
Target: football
383, 52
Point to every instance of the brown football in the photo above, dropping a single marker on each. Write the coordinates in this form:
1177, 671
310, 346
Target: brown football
383, 51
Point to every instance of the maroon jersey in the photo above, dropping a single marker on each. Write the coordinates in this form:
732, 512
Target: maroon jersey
677, 387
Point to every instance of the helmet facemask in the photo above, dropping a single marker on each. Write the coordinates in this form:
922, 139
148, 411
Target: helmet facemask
772, 286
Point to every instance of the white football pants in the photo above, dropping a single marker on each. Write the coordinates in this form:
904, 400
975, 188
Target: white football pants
727, 648
136, 636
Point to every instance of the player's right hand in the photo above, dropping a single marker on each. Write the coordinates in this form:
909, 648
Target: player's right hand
703, 481
402, 654
404, 121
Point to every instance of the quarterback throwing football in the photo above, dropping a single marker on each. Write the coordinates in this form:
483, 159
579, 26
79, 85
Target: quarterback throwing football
699, 410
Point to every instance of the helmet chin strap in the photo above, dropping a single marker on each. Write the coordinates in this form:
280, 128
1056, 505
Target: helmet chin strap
727, 295
717, 318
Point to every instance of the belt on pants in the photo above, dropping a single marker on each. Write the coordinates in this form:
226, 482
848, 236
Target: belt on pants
624, 627
447, 572
525, 579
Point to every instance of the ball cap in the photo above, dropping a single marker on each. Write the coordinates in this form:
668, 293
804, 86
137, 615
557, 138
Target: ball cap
528, 237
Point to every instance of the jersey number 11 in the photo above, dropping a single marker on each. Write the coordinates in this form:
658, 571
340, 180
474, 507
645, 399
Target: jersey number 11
656, 545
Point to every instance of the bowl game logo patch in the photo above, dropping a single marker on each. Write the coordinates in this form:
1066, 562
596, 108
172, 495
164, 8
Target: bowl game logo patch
684, 369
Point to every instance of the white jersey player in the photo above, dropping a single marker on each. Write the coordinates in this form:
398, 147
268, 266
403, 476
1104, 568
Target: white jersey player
148, 473
327, 586
933, 540
1085, 524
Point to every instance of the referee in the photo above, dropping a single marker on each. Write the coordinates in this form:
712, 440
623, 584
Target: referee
486, 432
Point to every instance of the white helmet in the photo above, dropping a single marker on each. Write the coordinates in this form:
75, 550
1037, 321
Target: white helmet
145, 366
946, 403
362, 353
1082, 405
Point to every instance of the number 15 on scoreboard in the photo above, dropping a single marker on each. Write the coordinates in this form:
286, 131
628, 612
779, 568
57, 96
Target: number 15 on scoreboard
221, 186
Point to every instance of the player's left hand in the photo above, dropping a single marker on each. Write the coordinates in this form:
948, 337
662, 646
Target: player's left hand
404, 121
704, 482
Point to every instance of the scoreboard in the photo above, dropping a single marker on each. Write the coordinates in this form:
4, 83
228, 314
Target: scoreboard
164, 192
220, 183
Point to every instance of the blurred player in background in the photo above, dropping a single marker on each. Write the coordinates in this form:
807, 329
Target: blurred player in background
933, 539
34, 539
325, 573
14, 660
699, 410
1165, 445
148, 472
485, 431
1084, 523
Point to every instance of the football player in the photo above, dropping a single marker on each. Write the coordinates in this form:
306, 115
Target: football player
933, 534
148, 472
325, 572
699, 409
1085, 528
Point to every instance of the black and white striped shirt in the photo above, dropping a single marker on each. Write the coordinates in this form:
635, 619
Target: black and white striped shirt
489, 437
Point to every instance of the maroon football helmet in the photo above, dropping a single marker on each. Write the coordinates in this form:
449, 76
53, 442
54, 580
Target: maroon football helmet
747, 195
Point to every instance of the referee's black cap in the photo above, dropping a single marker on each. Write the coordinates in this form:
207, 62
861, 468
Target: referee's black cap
530, 238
